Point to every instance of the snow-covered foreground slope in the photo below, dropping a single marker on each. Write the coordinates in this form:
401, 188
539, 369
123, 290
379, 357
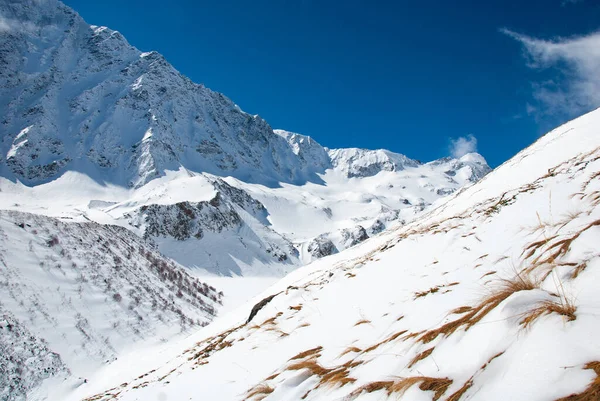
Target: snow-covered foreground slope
75, 296
491, 296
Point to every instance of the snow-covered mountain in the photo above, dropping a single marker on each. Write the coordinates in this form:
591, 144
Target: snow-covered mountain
79, 97
116, 132
492, 295
122, 182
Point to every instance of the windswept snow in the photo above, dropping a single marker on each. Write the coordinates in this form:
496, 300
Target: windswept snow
490, 296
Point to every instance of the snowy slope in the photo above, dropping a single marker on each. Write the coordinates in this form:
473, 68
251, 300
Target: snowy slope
343, 208
75, 296
490, 296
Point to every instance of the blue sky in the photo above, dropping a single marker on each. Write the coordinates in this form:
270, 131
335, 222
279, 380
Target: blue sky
406, 76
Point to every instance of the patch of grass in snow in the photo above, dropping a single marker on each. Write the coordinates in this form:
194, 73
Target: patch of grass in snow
432, 290
390, 338
313, 352
349, 350
563, 307
259, 392
461, 391
420, 357
435, 384
478, 312
592, 392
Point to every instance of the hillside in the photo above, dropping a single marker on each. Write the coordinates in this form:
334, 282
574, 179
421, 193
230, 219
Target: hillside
75, 296
490, 296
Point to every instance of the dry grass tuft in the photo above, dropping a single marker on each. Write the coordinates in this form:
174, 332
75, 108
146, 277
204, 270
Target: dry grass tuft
488, 273
273, 376
437, 385
311, 365
564, 307
579, 268
499, 354
461, 391
460, 310
296, 308
432, 290
420, 357
349, 350
363, 321
313, 352
474, 316
551, 250
390, 338
259, 392
592, 392
337, 376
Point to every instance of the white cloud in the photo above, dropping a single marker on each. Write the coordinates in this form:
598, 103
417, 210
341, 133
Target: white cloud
567, 2
463, 145
576, 88
4, 25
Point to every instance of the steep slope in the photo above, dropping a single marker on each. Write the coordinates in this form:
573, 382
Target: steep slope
75, 296
490, 296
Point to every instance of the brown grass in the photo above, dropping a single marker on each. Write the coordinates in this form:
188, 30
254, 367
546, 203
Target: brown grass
363, 321
461, 391
488, 273
461, 310
336, 376
579, 268
390, 338
296, 308
564, 307
432, 290
271, 321
420, 357
349, 350
499, 354
313, 352
259, 392
592, 392
437, 385
556, 249
474, 316
311, 365
273, 376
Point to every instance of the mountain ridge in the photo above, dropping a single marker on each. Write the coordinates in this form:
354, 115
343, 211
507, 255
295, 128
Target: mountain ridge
82, 98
